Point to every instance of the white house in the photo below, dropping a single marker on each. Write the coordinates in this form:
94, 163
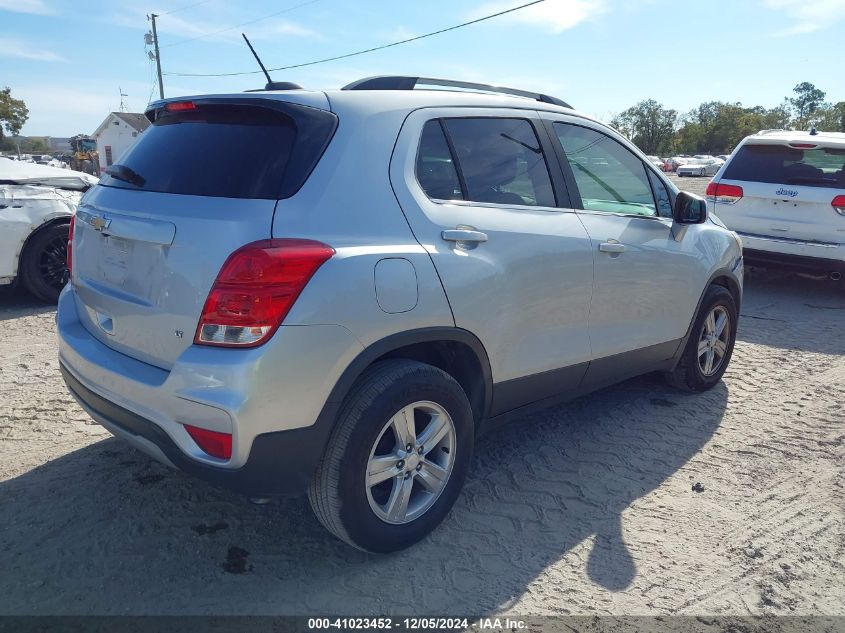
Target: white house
116, 134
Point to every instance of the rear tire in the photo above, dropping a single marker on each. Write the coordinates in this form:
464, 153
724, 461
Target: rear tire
342, 493
43, 267
709, 348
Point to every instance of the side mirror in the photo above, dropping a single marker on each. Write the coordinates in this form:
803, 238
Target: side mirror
689, 209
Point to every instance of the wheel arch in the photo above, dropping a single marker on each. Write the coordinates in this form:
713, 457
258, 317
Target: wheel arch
722, 277
456, 351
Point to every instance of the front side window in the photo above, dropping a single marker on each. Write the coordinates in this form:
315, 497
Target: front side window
610, 177
501, 161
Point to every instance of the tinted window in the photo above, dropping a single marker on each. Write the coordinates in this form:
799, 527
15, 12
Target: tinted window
609, 176
230, 151
661, 194
435, 169
779, 164
501, 161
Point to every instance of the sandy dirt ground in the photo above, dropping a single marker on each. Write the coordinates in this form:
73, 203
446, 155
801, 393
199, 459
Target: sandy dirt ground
587, 508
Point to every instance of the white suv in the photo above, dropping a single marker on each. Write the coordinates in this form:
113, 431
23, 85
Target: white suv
368, 278
784, 193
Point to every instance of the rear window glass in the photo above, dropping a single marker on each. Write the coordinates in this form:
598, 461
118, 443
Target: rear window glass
222, 150
779, 164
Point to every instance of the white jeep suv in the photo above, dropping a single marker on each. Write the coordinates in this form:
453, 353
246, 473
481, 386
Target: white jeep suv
784, 193
368, 278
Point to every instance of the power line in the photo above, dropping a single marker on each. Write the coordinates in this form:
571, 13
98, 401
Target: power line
368, 50
189, 6
230, 28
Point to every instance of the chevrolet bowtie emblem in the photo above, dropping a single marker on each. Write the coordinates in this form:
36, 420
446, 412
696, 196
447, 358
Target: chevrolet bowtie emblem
99, 222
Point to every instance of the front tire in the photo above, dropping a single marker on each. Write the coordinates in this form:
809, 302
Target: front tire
397, 458
710, 345
44, 263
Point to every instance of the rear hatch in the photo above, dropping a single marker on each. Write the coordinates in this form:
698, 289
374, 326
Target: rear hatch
787, 190
203, 180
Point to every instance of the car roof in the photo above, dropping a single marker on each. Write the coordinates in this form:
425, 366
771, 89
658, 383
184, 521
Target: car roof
779, 137
385, 100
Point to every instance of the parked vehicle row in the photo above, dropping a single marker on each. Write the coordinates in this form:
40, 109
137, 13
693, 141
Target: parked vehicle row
369, 278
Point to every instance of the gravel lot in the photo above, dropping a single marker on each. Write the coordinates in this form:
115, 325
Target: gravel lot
587, 508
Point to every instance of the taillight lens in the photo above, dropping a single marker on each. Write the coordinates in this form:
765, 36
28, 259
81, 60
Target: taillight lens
256, 289
70, 245
838, 204
214, 443
723, 194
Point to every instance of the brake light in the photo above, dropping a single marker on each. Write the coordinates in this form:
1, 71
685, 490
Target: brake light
180, 106
803, 145
255, 290
214, 443
724, 194
838, 204
70, 245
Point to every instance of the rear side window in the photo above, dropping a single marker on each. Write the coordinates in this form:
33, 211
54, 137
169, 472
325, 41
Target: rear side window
436, 170
500, 161
226, 150
781, 164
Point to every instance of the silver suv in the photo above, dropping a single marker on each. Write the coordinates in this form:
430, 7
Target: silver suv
290, 290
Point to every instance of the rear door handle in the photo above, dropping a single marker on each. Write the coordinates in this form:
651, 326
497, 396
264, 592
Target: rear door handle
611, 247
463, 235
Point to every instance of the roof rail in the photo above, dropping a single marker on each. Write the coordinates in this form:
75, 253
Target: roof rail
390, 82
772, 131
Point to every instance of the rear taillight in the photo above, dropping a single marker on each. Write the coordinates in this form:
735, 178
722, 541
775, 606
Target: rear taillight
214, 443
723, 194
255, 290
70, 245
838, 204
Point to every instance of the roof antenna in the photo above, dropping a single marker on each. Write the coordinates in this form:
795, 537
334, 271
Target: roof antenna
271, 85
813, 131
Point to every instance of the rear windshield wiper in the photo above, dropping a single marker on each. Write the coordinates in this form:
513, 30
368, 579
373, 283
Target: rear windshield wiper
126, 174
820, 180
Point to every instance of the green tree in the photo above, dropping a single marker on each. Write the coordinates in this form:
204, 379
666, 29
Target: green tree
807, 100
648, 124
831, 117
13, 113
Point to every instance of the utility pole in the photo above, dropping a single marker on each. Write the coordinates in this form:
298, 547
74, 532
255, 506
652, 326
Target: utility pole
153, 17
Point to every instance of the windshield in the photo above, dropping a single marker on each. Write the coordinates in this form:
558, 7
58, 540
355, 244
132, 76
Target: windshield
782, 164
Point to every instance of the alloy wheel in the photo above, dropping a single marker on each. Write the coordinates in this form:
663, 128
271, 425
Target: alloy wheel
410, 463
713, 341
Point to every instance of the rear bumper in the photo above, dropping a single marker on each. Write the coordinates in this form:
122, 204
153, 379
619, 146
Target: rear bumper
279, 463
275, 400
793, 254
799, 263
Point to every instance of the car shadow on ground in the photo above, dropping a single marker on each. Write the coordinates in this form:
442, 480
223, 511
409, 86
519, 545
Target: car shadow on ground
104, 529
15, 302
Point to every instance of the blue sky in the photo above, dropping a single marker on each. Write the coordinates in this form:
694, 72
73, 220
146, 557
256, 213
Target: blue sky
66, 59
